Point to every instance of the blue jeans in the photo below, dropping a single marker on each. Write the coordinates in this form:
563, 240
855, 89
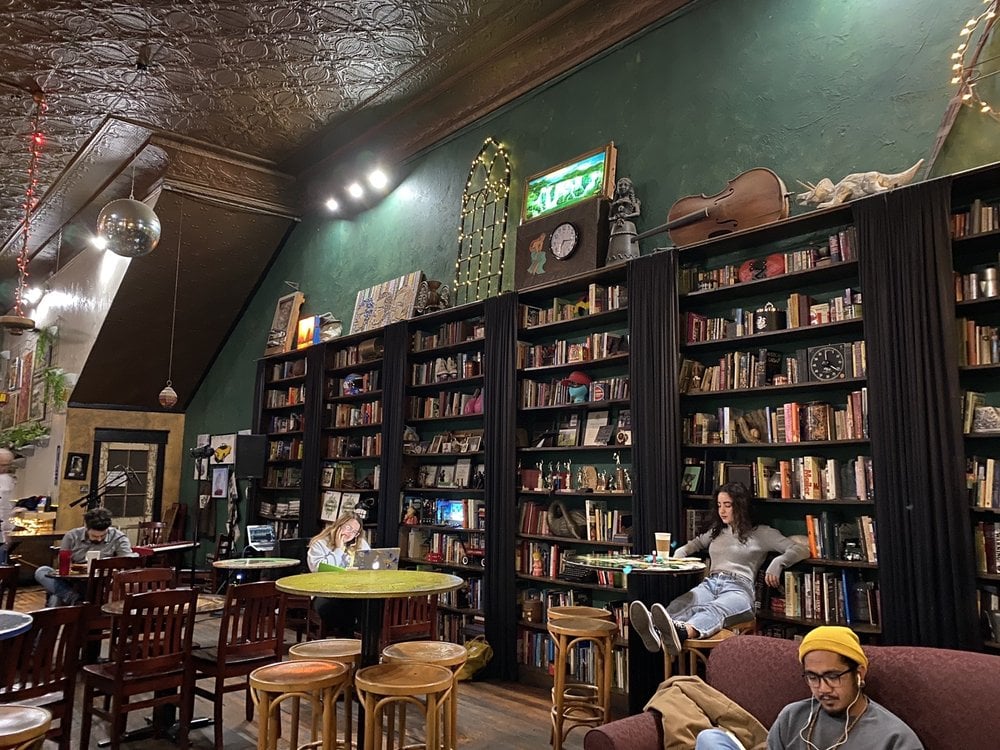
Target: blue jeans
708, 606
716, 739
66, 592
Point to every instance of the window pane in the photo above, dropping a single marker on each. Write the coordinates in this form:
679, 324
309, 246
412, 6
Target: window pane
135, 505
116, 458
139, 460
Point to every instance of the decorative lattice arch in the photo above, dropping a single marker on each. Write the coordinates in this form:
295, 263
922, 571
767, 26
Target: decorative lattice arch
482, 230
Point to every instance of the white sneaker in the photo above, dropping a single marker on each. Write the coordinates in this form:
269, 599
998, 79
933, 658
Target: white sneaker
639, 620
668, 629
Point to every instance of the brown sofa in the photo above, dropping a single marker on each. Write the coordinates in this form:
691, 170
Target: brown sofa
951, 699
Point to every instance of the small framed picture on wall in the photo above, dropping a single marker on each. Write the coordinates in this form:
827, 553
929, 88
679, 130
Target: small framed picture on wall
76, 466
220, 481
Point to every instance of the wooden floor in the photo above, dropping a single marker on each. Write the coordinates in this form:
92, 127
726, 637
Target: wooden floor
491, 714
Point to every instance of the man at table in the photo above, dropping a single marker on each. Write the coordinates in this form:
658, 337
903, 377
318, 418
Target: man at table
96, 535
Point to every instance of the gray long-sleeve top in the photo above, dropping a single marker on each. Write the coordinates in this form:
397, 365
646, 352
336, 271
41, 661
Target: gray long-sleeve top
729, 554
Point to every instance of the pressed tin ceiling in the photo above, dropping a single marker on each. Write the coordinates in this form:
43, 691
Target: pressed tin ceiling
296, 87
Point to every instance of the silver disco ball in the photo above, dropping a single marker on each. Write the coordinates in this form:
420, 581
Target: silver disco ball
131, 227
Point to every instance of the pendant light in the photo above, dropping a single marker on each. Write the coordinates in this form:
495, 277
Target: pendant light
129, 227
18, 323
168, 396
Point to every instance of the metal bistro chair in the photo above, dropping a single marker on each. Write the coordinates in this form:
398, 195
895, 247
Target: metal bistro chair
251, 635
40, 666
152, 654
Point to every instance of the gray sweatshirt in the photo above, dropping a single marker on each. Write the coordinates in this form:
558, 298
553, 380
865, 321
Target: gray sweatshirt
877, 729
729, 554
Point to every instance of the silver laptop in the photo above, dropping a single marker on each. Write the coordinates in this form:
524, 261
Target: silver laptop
379, 558
261, 538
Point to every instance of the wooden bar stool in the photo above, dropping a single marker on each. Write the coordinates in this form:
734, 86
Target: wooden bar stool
23, 727
441, 654
585, 704
695, 651
594, 613
319, 682
346, 651
384, 686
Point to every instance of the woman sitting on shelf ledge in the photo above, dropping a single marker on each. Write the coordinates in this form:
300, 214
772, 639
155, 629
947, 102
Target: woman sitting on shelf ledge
736, 548
335, 547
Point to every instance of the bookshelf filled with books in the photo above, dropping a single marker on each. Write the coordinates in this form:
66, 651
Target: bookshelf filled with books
351, 427
281, 415
443, 509
976, 265
574, 437
772, 381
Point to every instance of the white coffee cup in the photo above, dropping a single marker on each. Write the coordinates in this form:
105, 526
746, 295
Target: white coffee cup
662, 543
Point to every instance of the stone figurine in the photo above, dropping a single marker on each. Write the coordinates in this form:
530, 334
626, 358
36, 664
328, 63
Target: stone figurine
857, 185
625, 206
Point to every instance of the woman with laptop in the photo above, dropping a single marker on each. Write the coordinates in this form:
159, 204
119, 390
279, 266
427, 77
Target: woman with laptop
336, 546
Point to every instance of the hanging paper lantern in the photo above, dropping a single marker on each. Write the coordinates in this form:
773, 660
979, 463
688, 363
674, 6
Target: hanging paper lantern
168, 396
131, 228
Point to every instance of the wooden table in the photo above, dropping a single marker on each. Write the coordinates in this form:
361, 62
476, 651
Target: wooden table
648, 580
372, 586
166, 550
255, 564
206, 603
13, 623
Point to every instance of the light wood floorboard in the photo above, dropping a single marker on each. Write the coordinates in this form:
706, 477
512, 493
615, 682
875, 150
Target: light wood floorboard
492, 715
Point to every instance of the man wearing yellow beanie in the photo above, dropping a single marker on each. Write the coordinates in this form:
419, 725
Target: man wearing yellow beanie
839, 716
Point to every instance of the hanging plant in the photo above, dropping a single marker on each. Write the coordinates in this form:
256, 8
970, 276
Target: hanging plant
57, 387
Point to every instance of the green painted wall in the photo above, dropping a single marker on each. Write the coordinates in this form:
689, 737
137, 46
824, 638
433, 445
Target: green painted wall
809, 88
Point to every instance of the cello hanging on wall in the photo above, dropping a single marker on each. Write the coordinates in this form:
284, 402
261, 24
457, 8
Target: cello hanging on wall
755, 197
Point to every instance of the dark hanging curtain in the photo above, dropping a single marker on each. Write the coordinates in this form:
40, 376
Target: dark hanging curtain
656, 473
926, 569
395, 345
500, 415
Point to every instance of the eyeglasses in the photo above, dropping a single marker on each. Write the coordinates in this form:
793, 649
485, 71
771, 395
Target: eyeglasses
832, 679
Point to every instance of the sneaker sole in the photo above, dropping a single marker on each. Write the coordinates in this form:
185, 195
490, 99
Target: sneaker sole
639, 621
668, 631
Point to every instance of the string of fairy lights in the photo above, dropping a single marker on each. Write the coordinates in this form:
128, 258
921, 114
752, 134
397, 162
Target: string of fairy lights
966, 66
496, 188
36, 142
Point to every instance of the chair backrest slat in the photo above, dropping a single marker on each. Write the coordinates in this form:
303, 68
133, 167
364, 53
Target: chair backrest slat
140, 580
154, 631
101, 573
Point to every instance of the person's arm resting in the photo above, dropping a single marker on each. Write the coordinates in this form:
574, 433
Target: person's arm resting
789, 552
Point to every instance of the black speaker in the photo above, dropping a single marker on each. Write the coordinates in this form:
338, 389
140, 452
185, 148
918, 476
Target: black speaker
251, 451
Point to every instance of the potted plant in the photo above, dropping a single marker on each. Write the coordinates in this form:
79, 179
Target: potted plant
23, 435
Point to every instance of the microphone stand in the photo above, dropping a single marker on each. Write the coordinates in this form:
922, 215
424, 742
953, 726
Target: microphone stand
92, 497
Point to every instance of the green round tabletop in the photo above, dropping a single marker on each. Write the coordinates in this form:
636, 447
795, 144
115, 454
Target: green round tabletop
369, 584
248, 563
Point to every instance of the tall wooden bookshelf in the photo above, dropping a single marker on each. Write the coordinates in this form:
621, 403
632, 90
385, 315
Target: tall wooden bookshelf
284, 398
976, 263
351, 442
572, 364
772, 393
443, 506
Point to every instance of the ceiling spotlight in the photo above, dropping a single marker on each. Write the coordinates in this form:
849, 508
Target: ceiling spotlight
355, 190
378, 179
101, 243
332, 205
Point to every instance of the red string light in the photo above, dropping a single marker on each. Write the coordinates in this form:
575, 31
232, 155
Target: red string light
35, 144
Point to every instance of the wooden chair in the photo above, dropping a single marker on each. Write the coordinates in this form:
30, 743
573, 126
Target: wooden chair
251, 635
410, 618
8, 584
150, 532
208, 578
40, 666
99, 587
152, 655
141, 580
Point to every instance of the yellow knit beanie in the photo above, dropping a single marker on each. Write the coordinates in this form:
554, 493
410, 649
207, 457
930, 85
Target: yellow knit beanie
835, 638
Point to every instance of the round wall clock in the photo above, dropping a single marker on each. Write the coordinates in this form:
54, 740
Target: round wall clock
564, 240
826, 362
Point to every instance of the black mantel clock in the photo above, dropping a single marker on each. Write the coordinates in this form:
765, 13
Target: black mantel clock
564, 219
